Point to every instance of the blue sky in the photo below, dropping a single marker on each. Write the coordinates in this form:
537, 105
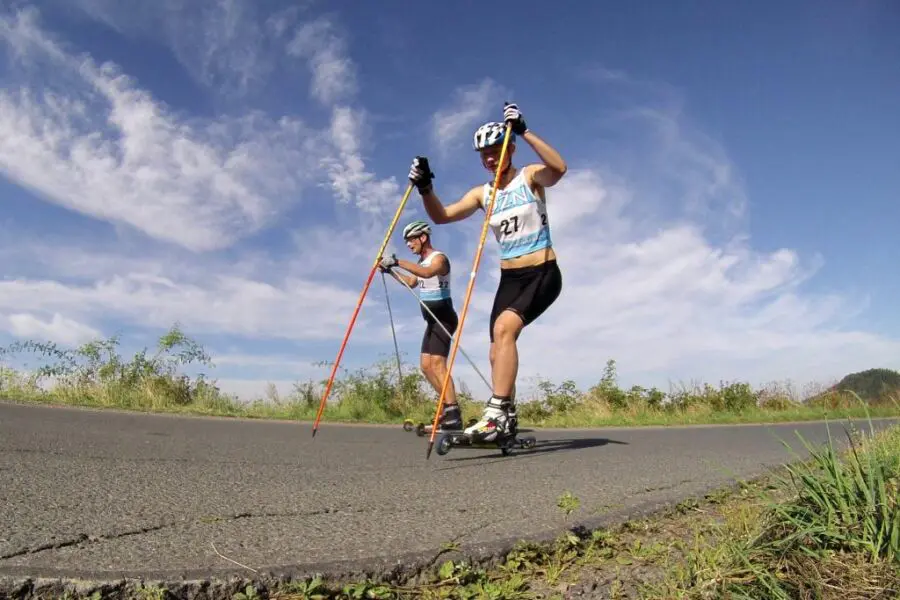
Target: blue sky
729, 213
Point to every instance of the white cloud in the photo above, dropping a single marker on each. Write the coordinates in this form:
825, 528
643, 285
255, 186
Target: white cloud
225, 45
471, 104
58, 329
305, 295
105, 148
96, 143
323, 45
350, 180
255, 389
216, 304
324, 48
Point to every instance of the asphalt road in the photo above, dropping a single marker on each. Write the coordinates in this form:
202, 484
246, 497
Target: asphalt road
111, 494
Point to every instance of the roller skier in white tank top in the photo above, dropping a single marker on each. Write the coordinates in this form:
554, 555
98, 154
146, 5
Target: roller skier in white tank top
530, 279
431, 274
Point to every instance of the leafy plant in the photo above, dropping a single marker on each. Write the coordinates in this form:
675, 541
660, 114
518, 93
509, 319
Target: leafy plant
568, 503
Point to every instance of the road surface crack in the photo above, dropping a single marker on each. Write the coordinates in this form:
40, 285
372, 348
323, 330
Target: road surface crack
663, 488
82, 538
193, 460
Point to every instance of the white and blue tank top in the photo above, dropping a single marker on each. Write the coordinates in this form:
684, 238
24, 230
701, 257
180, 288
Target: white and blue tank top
519, 219
434, 288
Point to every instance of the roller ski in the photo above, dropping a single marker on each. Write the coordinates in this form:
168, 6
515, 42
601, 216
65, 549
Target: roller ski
498, 428
450, 421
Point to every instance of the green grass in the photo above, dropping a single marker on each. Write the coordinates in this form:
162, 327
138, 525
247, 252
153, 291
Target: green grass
96, 375
829, 528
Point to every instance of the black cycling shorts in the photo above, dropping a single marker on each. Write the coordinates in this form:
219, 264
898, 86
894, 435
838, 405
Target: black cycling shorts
435, 340
528, 291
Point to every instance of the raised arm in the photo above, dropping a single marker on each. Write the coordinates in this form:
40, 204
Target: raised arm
553, 166
459, 210
420, 174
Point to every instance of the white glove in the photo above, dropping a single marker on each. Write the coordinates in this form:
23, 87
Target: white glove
388, 261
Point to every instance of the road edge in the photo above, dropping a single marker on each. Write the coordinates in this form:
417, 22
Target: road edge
23, 583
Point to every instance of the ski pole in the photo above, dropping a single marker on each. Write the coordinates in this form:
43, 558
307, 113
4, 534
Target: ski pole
449, 335
359, 302
462, 319
387, 299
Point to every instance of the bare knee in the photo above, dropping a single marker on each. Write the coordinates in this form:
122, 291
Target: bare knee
425, 365
438, 366
507, 328
433, 365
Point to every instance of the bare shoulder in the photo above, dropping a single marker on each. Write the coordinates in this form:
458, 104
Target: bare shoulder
530, 173
442, 262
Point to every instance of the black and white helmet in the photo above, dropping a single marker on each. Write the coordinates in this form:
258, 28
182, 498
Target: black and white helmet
416, 228
489, 134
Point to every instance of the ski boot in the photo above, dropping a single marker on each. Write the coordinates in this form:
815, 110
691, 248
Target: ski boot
451, 420
497, 428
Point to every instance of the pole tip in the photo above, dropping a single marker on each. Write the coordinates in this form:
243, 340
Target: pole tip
428, 453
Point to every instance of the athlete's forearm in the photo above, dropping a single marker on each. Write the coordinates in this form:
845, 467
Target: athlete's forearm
410, 280
436, 211
415, 269
550, 157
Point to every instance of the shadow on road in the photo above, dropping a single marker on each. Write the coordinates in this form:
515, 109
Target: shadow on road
541, 447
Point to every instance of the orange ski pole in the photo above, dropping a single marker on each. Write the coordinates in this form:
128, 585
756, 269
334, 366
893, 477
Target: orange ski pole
462, 318
359, 302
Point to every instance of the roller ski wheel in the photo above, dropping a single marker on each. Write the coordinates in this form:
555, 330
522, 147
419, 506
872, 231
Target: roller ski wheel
506, 444
444, 444
421, 429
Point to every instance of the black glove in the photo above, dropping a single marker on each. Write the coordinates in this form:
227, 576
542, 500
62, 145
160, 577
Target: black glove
420, 174
512, 115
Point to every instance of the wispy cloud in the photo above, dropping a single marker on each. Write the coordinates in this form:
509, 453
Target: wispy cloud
350, 180
230, 46
219, 303
660, 150
324, 47
97, 144
471, 103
